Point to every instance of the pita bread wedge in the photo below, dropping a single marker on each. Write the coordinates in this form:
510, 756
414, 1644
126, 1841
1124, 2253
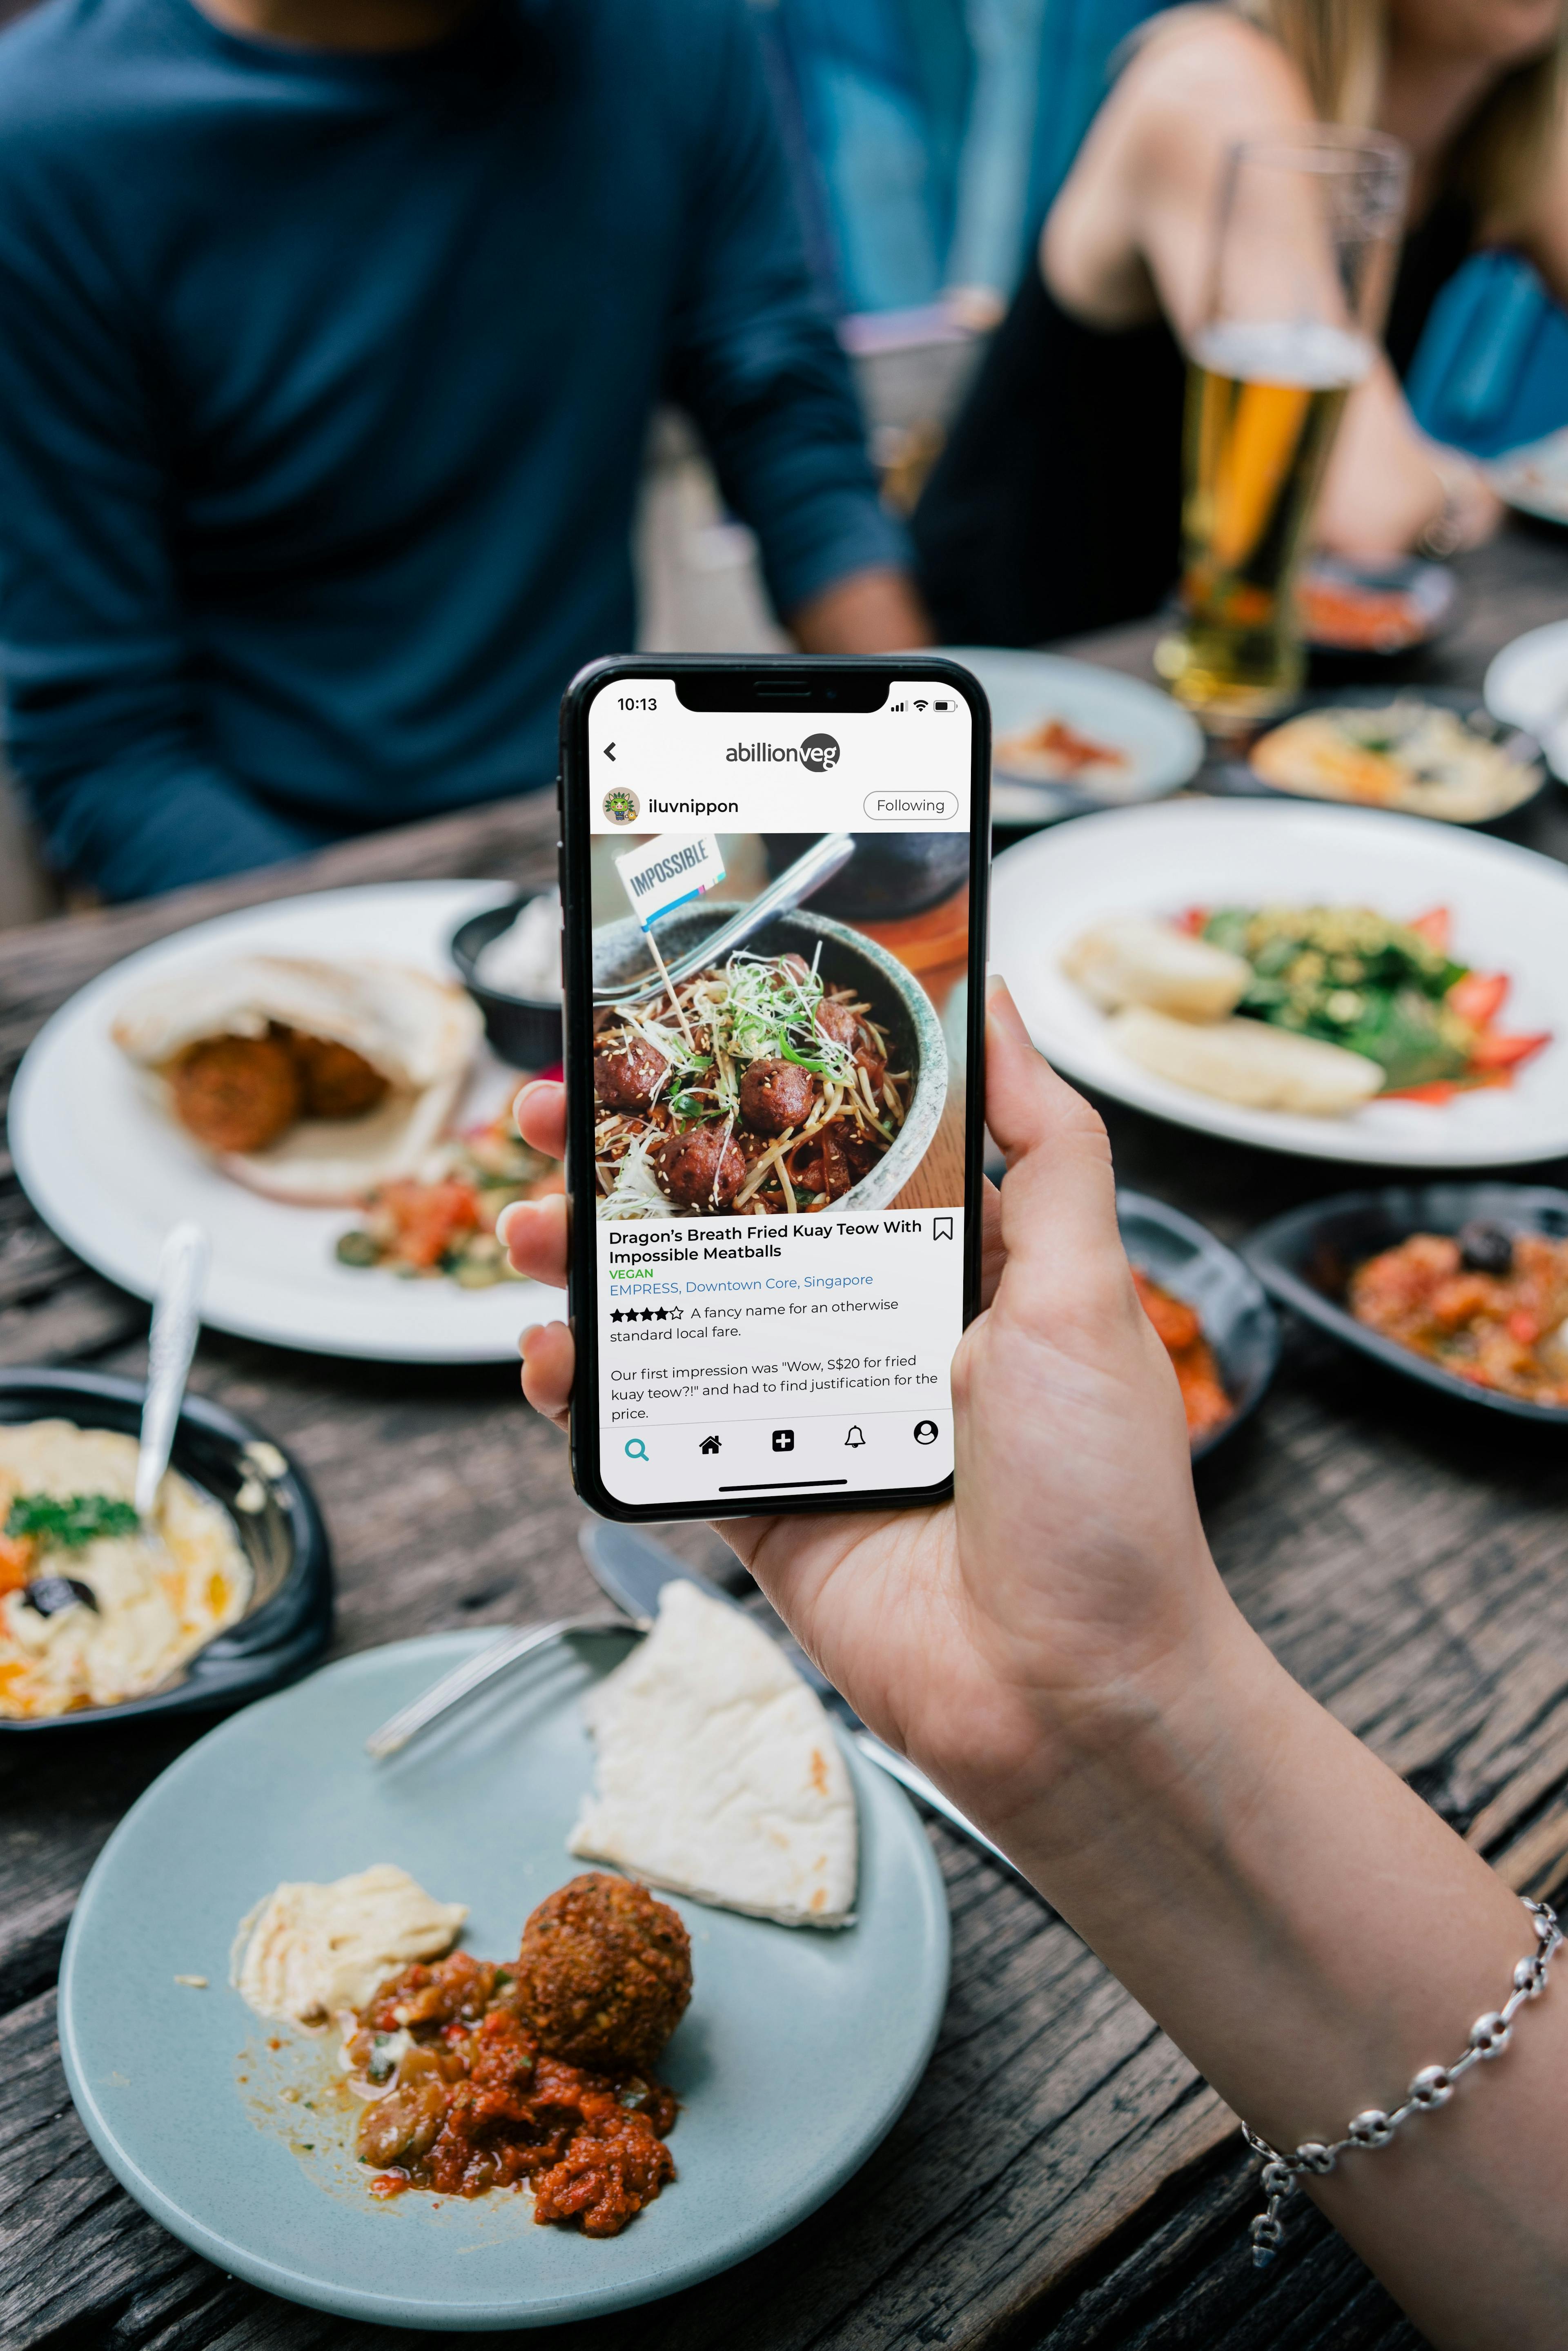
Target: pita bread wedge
719, 1774
417, 1031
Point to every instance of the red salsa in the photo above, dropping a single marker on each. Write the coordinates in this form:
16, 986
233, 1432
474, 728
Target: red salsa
463, 2096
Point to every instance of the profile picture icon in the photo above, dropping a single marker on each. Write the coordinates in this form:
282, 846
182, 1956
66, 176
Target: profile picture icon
621, 805
821, 752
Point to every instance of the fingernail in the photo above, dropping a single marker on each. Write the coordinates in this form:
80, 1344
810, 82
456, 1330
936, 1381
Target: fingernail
531, 1333
995, 987
503, 1222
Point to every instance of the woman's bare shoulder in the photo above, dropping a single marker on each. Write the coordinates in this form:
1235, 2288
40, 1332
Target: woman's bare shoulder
1208, 72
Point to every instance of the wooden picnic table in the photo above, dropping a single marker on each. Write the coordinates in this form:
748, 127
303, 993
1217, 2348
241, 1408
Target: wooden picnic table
1061, 2177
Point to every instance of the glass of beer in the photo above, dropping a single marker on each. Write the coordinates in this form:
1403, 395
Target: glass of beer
1306, 238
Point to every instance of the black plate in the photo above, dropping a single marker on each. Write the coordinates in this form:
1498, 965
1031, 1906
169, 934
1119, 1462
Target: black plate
290, 1612
1306, 1259
1434, 584
1238, 1321
524, 1034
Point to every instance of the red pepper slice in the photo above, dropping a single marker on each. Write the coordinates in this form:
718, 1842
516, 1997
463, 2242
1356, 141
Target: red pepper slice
1504, 1052
1436, 927
1479, 996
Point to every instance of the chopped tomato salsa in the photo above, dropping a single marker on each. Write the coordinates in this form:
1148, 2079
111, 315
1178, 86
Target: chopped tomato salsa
1202, 1390
1488, 1305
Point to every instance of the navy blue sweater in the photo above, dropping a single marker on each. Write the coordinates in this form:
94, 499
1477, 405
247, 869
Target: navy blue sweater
324, 383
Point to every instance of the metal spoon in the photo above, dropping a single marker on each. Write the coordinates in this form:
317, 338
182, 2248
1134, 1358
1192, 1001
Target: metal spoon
176, 1318
797, 882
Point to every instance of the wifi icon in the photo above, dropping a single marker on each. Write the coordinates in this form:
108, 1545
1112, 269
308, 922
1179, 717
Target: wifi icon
920, 706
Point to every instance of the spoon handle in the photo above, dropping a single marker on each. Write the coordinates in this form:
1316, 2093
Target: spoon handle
176, 1318
818, 864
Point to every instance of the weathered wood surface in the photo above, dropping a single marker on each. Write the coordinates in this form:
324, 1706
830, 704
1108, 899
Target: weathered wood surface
1061, 2179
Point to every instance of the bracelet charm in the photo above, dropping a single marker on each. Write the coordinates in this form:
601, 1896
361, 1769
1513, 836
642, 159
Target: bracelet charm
1432, 2087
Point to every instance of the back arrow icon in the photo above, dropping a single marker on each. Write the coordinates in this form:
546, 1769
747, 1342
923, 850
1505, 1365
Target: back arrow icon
610, 750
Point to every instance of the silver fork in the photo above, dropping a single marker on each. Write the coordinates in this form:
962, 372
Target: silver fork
473, 1672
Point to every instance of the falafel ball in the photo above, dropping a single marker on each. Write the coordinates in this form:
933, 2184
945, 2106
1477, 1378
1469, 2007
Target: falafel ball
236, 1094
630, 1080
604, 1974
775, 1096
337, 1082
703, 1169
837, 1021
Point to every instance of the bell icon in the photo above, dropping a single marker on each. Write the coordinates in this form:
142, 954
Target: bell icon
854, 1437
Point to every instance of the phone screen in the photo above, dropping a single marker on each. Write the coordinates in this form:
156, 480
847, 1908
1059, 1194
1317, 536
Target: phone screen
781, 909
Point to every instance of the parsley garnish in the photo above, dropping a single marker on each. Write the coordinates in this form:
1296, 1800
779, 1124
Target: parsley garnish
68, 1524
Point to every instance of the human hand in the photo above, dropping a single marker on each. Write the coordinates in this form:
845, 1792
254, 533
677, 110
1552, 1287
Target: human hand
1066, 1590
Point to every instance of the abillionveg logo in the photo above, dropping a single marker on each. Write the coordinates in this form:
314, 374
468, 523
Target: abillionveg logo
818, 752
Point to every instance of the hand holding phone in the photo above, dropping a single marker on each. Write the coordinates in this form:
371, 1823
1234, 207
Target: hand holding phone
977, 1634
774, 877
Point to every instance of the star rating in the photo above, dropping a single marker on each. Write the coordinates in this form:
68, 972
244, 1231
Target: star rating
646, 1314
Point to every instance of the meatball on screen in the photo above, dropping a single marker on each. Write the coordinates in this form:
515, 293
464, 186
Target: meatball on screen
762, 1086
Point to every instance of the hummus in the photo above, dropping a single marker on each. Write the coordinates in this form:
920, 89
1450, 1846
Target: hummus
307, 1952
142, 1608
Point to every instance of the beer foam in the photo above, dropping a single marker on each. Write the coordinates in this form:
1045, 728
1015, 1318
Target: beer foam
1303, 352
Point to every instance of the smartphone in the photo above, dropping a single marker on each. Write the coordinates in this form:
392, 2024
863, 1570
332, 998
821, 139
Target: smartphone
773, 873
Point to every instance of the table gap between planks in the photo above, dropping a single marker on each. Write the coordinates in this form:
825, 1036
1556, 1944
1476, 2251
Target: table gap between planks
1061, 2177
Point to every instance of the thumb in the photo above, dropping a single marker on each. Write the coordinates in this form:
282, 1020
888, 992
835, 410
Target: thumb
1059, 1200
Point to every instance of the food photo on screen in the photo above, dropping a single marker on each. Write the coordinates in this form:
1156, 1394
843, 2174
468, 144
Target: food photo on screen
801, 1068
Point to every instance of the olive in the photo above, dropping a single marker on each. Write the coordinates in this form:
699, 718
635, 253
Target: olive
359, 1248
1485, 1247
50, 1594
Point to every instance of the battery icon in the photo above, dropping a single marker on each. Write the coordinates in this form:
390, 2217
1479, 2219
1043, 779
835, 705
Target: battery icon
941, 705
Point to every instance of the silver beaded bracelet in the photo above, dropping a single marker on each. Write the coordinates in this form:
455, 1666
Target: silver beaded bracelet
1433, 2086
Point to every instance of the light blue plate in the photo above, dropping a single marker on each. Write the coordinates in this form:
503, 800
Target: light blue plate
798, 2053
1161, 743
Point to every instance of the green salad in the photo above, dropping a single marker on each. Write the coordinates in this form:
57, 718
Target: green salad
1354, 979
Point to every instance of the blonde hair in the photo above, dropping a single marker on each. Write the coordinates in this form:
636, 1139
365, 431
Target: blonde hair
1338, 47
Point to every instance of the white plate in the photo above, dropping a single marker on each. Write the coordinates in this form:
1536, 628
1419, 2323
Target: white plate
1535, 478
110, 1174
1510, 914
1164, 745
1527, 684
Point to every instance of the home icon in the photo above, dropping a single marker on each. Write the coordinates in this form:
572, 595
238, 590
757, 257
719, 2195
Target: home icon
708, 1444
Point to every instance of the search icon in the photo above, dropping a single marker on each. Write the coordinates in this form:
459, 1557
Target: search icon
635, 1449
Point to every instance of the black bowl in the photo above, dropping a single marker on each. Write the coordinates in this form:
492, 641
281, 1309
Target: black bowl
1306, 1257
1238, 1321
890, 877
524, 1033
290, 1610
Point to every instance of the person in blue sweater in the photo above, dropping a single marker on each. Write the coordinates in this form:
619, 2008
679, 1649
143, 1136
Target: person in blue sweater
329, 335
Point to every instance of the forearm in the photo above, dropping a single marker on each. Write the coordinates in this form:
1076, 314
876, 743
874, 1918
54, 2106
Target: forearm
1387, 483
153, 820
1310, 1933
873, 612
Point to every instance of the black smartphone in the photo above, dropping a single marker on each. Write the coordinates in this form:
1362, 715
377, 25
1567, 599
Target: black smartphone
774, 872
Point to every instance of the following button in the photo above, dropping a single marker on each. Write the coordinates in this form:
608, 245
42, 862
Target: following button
911, 808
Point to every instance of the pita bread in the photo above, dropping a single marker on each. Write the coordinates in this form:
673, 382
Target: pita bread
419, 1032
309, 1951
719, 1773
